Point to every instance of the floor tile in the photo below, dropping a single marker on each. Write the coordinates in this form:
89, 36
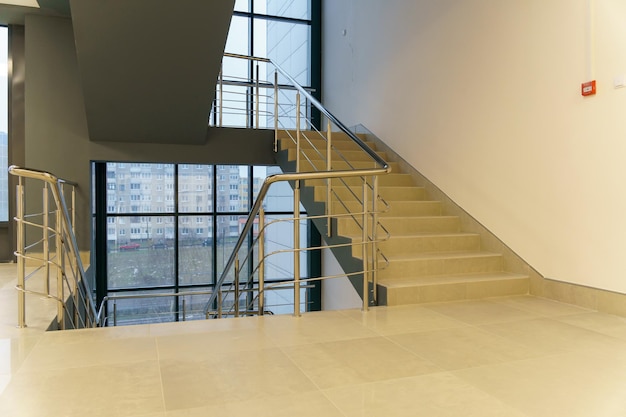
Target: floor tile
433, 395
481, 312
229, 377
100, 391
542, 306
463, 347
203, 346
312, 328
46, 355
550, 336
575, 384
598, 322
402, 319
357, 361
307, 404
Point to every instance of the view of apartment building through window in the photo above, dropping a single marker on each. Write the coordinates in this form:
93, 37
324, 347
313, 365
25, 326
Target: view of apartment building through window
173, 227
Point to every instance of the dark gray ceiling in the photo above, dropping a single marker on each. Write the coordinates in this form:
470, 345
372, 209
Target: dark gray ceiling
149, 67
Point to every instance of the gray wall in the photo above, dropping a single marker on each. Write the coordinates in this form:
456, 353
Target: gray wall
57, 140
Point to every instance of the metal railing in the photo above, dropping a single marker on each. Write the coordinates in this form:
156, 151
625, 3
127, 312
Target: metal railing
46, 240
317, 158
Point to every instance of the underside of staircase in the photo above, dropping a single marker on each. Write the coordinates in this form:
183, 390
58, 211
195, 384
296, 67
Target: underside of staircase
430, 258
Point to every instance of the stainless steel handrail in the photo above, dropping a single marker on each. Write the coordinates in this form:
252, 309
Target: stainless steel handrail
81, 284
328, 174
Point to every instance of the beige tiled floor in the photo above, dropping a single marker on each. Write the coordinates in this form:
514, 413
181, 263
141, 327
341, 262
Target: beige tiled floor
515, 356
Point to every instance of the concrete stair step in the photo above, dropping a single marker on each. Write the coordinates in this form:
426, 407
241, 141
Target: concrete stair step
320, 165
426, 243
445, 263
428, 289
404, 193
339, 136
402, 226
336, 155
410, 208
319, 143
393, 179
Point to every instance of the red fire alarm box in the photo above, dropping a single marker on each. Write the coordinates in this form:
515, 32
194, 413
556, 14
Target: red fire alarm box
588, 88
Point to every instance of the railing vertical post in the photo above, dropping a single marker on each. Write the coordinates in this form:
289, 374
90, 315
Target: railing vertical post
219, 303
60, 268
296, 250
374, 251
329, 181
275, 111
221, 84
46, 237
237, 287
296, 219
261, 301
114, 313
298, 132
365, 248
75, 259
258, 98
184, 312
21, 266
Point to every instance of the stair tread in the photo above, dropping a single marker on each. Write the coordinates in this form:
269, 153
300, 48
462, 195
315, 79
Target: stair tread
448, 279
443, 255
417, 235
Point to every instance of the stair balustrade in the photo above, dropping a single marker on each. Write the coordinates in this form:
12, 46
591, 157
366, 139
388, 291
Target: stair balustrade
47, 243
317, 158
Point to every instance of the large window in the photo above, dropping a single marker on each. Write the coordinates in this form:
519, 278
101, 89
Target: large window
4, 148
171, 228
287, 32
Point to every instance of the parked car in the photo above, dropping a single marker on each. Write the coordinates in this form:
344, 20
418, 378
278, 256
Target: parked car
207, 242
130, 246
159, 245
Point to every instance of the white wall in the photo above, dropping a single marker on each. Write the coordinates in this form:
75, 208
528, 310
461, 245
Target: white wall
483, 97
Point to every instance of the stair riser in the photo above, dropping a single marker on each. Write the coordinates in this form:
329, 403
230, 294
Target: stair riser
404, 226
397, 208
456, 292
436, 266
391, 180
321, 144
319, 165
428, 244
387, 193
342, 155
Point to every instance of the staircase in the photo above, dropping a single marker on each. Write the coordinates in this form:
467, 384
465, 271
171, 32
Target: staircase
429, 258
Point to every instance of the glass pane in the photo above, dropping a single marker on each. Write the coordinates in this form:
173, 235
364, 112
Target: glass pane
228, 230
242, 5
280, 300
287, 110
238, 36
140, 251
195, 188
280, 194
287, 45
195, 249
234, 105
193, 306
298, 9
140, 188
232, 190
141, 310
279, 237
